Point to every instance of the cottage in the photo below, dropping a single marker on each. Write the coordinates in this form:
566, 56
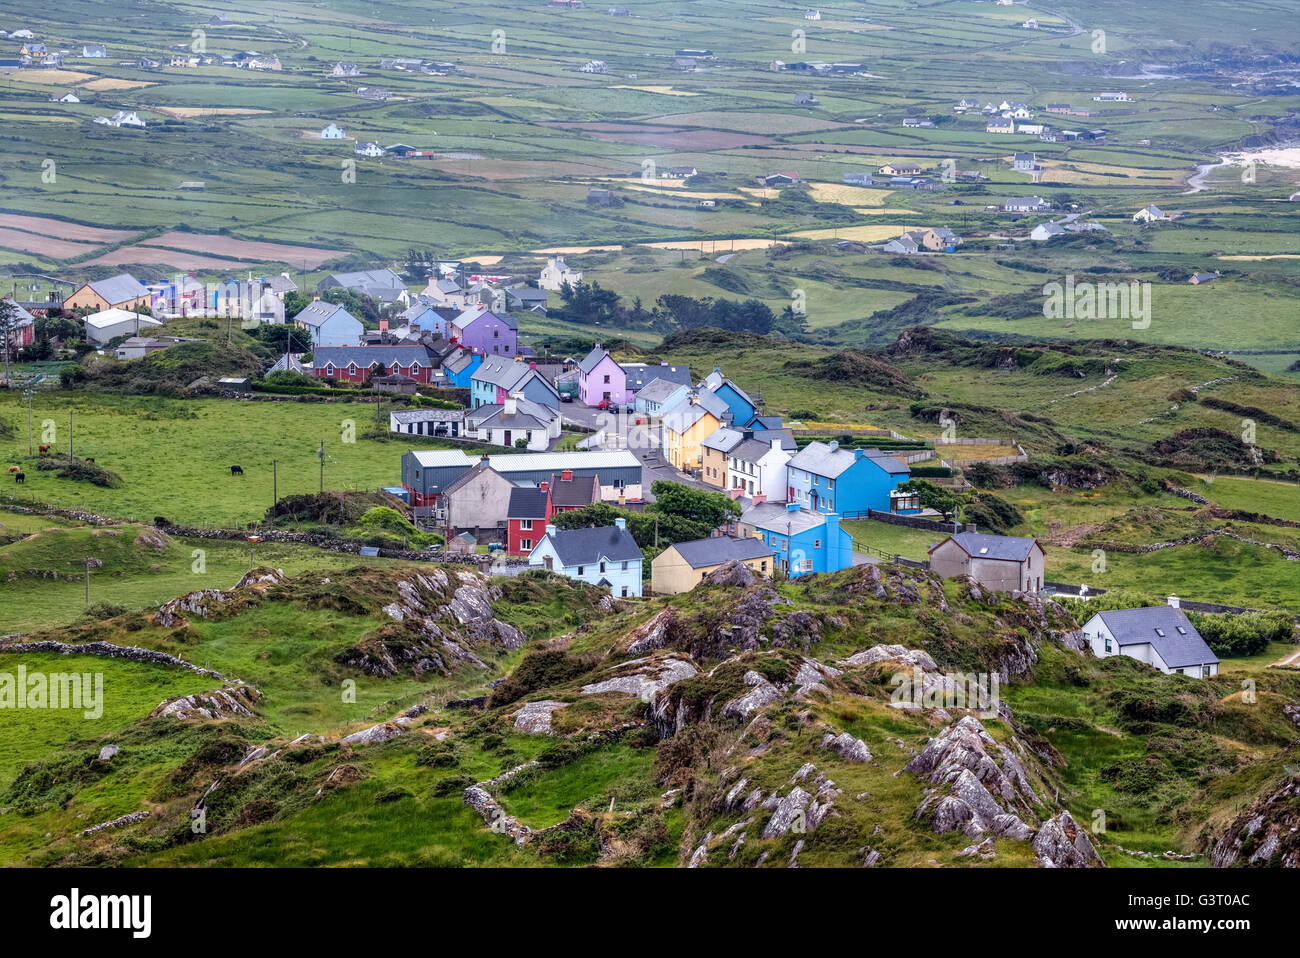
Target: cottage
68, 97
607, 556
445, 423
570, 492
714, 449
329, 324
345, 69
758, 467
806, 99
1112, 98
556, 273
858, 179
490, 332
374, 93
94, 51
908, 243
497, 378
684, 565
900, 169
333, 132
916, 122
1161, 636
1000, 125
801, 541
381, 285
600, 196
515, 419
594, 66
136, 347
1200, 278
1024, 162
659, 394
600, 379
823, 477
427, 473
1001, 563
355, 364
1149, 214
639, 375
686, 425
527, 298
123, 291
1046, 231
1026, 204
781, 179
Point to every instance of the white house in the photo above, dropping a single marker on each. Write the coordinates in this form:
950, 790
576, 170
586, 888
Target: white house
368, 149
758, 467
111, 323
121, 118
607, 556
68, 97
329, 324
1046, 231
1161, 636
504, 424
1149, 214
333, 132
556, 273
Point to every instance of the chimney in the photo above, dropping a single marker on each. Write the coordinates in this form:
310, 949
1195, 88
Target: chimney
544, 486
858, 454
484, 461
735, 492
776, 444
1173, 602
792, 507
620, 522
622, 500
383, 325
511, 406
746, 434
566, 475
532, 365
663, 362
759, 498
833, 445
550, 529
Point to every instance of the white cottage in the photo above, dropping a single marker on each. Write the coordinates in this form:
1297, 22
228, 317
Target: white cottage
607, 556
1161, 636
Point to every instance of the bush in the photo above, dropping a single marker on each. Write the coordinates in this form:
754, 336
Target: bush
79, 471
1246, 633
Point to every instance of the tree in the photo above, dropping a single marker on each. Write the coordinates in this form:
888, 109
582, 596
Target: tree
8, 329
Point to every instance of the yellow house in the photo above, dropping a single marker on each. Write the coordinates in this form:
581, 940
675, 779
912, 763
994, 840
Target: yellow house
685, 427
713, 455
683, 565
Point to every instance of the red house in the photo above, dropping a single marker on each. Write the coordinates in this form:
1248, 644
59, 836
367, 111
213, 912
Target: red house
353, 364
526, 517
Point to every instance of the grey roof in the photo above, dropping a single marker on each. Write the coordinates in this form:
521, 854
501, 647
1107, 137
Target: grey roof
427, 415
657, 390
701, 553
592, 359
640, 375
469, 475
381, 284
820, 459
506, 373
777, 517
707, 400
528, 415
317, 312
751, 450
1178, 649
723, 439
527, 503
578, 491
587, 546
985, 546
467, 317
366, 356
684, 415
118, 289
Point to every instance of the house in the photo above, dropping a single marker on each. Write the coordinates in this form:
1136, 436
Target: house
1046, 231
1060, 108
1199, 278
1161, 636
684, 565
686, 64
601, 379
556, 273
1149, 214
1030, 24
527, 298
806, 99
940, 239
68, 97
966, 103
1026, 204
497, 378
121, 118
758, 467
1032, 129
781, 179
1000, 124
527, 515
381, 285
1112, 98
657, 395
23, 329
181, 60
594, 66
640, 375
801, 541
1024, 162
374, 93
94, 51
405, 64
570, 492
680, 172
123, 291
908, 243
481, 330
476, 502
600, 197
606, 556
427, 473
447, 423
333, 132
714, 449
34, 50
741, 408
858, 179
111, 323
329, 324
900, 169
517, 418
915, 122
1001, 563
345, 69
822, 477
136, 347
686, 425
368, 149
812, 15
355, 364
459, 367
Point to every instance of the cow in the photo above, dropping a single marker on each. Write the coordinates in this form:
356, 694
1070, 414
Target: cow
43, 449
20, 477
12, 470
236, 470
89, 459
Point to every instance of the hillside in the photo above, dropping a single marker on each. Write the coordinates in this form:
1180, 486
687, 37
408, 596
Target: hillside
452, 719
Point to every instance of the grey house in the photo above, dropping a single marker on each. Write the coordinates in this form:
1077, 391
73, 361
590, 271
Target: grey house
1001, 563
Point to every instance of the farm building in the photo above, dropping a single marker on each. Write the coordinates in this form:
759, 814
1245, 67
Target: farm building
109, 324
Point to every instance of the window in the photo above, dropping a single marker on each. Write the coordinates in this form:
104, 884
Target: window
526, 525
526, 544
602, 567
624, 567
1108, 645
1205, 671
1181, 630
625, 592
830, 483
606, 377
817, 543
1160, 632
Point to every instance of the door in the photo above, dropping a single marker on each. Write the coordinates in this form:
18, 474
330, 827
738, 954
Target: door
508, 442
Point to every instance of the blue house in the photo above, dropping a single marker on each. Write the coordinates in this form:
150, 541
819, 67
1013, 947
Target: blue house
658, 395
606, 556
743, 409
499, 377
825, 478
460, 366
802, 541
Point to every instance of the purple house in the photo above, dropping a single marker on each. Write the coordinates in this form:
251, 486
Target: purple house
599, 378
482, 331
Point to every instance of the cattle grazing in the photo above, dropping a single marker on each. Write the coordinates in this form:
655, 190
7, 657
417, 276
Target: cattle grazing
20, 477
89, 459
43, 449
12, 470
236, 470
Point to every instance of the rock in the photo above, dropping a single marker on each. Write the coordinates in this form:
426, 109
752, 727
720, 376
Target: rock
260, 578
732, 572
763, 693
221, 703
982, 849
478, 798
794, 854
535, 717
107, 752
644, 678
892, 653
870, 857
201, 603
651, 635
849, 748
130, 819
1061, 843
1270, 827
376, 733
790, 813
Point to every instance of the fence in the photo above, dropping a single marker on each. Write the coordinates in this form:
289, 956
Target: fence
912, 522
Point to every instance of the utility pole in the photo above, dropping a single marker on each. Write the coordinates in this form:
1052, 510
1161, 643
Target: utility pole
275, 482
28, 393
322, 466
69, 435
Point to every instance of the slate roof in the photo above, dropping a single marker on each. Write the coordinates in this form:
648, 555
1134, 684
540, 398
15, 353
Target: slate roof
578, 491
821, 460
702, 553
723, 439
640, 375
527, 503
766, 436
528, 415
427, 415
775, 517
751, 450
657, 390
684, 415
118, 289
504, 373
469, 475
367, 356
707, 400
592, 359
587, 546
984, 546
468, 317
1179, 649
318, 312
381, 284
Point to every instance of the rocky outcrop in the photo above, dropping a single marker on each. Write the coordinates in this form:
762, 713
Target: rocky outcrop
535, 717
261, 578
1061, 843
761, 693
202, 603
644, 678
847, 747
1267, 833
221, 703
732, 572
651, 635
373, 735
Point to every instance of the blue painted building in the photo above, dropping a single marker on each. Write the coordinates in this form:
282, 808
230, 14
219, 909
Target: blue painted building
823, 477
460, 367
743, 409
498, 377
801, 541
659, 395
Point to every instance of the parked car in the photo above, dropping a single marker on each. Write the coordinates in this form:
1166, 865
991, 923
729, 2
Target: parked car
606, 405
566, 397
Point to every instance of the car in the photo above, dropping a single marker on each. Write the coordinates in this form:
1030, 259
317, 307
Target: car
566, 397
606, 404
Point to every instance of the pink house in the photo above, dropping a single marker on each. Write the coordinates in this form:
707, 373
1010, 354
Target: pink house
600, 378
